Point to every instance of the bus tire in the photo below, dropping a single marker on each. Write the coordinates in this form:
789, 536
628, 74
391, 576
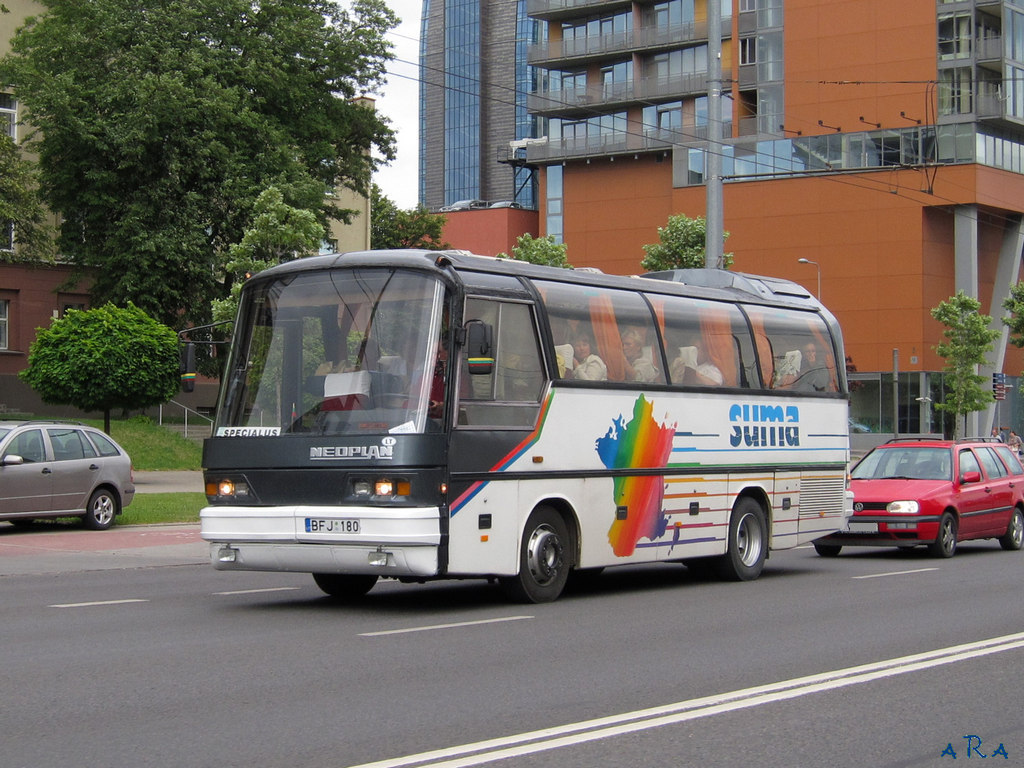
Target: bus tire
545, 559
345, 586
748, 543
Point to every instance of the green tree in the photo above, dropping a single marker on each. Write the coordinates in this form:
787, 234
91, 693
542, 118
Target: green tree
160, 123
20, 206
969, 338
539, 250
392, 227
1014, 304
681, 245
278, 233
104, 358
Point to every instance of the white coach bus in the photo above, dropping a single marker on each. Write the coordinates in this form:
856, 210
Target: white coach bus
419, 415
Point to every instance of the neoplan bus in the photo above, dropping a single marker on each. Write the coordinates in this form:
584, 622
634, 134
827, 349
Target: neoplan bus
418, 415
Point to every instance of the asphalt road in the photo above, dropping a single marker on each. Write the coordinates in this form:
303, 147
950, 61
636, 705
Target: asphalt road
817, 663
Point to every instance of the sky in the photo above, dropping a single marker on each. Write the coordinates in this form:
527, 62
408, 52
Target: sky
399, 102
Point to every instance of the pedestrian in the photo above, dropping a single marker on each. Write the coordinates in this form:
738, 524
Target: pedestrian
1015, 443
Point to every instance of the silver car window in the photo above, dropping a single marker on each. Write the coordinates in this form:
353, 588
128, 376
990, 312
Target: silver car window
28, 445
68, 444
103, 444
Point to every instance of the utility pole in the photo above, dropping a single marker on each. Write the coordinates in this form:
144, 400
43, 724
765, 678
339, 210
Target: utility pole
714, 233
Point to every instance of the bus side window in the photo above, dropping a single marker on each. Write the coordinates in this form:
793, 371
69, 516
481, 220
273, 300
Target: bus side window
794, 351
510, 395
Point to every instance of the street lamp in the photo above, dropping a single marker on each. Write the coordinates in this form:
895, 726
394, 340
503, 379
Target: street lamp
817, 267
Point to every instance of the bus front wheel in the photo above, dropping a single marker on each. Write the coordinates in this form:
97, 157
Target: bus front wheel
748, 543
345, 586
544, 559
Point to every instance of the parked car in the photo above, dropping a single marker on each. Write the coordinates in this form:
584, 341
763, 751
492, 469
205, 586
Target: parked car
463, 205
936, 493
59, 469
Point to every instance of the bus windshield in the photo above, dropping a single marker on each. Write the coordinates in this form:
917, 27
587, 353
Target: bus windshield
340, 351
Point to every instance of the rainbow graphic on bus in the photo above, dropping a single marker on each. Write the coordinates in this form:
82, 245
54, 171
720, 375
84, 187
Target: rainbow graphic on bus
640, 443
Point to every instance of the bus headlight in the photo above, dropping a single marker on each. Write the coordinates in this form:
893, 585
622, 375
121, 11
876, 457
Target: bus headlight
390, 487
227, 489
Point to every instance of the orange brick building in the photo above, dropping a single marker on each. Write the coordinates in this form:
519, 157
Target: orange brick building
887, 148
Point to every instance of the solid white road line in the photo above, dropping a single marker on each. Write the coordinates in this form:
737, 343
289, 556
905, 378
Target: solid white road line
443, 626
894, 573
257, 591
99, 602
601, 728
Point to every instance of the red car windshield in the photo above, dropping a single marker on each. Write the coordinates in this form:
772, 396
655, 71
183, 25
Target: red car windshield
906, 462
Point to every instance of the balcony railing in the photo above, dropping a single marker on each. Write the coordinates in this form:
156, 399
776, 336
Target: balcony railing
572, 99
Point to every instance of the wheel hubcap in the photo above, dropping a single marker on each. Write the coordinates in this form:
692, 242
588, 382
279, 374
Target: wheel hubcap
748, 540
544, 555
1017, 529
948, 539
103, 510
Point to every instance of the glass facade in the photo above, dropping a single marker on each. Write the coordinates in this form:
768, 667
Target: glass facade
462, 107
954, 143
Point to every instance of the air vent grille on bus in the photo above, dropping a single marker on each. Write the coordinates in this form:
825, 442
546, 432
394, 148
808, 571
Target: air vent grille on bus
822, 494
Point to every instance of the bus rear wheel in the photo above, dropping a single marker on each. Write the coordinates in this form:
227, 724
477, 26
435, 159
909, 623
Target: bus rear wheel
544, 559
345, 586
748, 543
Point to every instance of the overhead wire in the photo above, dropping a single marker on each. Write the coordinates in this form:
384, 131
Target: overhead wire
842, 176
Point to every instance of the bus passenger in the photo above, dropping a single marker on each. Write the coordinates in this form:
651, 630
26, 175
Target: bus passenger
814, 375
638, 367
693, 367
586, 365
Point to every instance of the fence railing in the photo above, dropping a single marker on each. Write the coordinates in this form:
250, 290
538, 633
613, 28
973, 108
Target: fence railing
186, 411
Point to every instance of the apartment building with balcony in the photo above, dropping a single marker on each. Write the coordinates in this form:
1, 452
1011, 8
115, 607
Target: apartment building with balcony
878, 150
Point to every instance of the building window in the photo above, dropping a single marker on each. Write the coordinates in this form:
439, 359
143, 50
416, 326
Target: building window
955, 91
954, 37
8, 115
748, 50
5, 308
553, 224
6, 236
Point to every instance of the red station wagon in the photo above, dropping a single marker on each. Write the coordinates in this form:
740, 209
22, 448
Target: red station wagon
936, 493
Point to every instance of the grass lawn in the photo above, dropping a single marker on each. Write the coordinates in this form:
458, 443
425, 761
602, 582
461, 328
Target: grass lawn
153, 447
153, 508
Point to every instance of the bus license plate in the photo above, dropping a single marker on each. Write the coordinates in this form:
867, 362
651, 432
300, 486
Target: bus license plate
321, 525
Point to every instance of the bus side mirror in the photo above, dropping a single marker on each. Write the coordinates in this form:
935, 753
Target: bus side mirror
479, 347
188, 367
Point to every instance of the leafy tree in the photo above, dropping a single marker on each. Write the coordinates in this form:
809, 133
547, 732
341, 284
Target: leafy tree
160, 123
682, 245
968, 338
104, 358
391, 227
20, 205
278, 233
539, 250
1014, 304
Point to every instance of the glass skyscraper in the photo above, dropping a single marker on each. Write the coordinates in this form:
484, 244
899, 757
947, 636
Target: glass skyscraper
473, 85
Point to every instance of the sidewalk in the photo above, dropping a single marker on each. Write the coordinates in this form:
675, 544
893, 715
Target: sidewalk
51, 548
168, 482
61, 550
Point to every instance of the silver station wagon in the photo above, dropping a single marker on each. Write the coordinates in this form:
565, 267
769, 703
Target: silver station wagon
60, 469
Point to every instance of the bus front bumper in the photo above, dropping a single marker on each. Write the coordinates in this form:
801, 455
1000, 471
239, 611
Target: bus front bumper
384, 541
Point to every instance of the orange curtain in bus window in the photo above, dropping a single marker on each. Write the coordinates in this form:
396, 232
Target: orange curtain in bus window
717, 332
830, 359
764, 349
606, 335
